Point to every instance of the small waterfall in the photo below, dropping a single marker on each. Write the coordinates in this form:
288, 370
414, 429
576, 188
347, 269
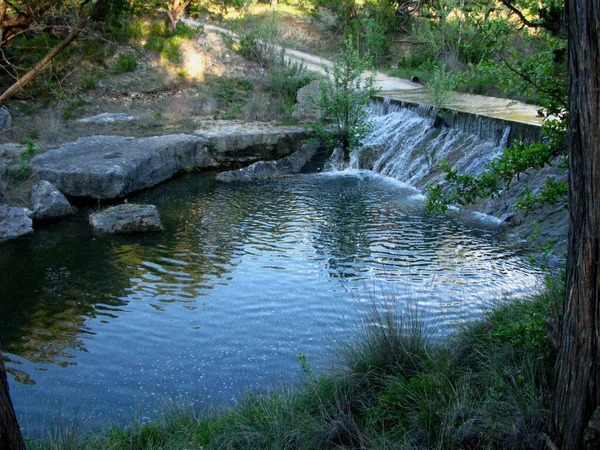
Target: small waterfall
409, 143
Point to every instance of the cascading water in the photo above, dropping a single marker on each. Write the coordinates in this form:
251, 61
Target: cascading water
409, 145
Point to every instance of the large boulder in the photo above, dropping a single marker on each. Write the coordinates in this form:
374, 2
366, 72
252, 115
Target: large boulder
106, 167
291, 164
127, 218
250, 143
15, 222
48, 203
307, 110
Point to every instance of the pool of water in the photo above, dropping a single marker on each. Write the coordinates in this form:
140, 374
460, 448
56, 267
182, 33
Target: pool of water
244, 278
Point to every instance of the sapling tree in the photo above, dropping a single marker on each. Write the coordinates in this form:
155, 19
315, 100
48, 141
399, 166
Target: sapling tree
344, 96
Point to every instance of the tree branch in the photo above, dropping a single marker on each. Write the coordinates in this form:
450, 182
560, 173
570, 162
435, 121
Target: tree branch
51, 55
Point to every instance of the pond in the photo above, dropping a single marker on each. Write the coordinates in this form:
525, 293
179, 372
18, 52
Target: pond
246, 276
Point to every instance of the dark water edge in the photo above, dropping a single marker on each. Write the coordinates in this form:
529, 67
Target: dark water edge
245, 277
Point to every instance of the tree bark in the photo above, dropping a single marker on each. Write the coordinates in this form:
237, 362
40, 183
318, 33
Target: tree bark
10, 433
577, 375
177, 7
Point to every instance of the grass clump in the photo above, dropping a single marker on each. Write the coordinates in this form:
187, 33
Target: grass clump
392, 387
124, 62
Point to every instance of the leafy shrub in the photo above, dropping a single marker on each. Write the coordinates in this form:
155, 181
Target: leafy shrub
441, 86
231, 90
376, 44
125, 62
171, 49
260, 43
286, 78
344, 97
155, 43
186, 31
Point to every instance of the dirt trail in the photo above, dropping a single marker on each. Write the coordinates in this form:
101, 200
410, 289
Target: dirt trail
318, 64
404, 89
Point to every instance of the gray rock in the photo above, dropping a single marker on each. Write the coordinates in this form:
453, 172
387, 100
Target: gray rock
237, 145
48, 203
127, 218
113, 166
108, 118
15, 222
306, 99
5, 118
291, 164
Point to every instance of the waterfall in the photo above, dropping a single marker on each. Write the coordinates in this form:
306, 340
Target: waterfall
409, 143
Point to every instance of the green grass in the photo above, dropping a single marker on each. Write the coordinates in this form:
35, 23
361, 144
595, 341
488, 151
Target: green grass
486, 387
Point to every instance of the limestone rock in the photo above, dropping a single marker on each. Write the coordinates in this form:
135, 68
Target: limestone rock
291, 164
5, 118
108, 118
235, 145
306, 99
127, 218
106, 167
48, 203
15, 222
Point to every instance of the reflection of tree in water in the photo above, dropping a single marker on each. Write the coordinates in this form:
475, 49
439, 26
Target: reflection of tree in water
54, 282
44, 291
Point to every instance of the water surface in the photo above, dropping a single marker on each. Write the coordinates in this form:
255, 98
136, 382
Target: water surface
246, 276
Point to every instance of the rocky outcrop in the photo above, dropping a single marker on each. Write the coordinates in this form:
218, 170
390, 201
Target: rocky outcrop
106, 167
15, 222
48, 203
242, 145
127, 218
306, 108
291, 164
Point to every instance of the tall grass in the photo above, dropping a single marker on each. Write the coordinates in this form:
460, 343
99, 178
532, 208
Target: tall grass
487, 387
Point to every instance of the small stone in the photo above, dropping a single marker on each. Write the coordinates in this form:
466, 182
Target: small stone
127, 218
48, 203
15, 222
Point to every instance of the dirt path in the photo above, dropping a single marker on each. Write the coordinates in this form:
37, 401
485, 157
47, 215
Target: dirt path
404, 89
320, 65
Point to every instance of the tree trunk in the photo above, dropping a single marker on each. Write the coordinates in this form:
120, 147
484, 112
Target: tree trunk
175, 11
577, 377
10, 433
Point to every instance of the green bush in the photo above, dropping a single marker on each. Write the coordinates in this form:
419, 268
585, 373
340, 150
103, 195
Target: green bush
441, 86
343, 100
286, 78
124, 62
171, 49
186, 31
155, 43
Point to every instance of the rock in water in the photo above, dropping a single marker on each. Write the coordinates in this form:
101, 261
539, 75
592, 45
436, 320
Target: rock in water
48, 203
291, 164
15, 222
127, 218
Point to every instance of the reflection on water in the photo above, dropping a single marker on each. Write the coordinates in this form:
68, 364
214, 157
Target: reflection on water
245, 277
